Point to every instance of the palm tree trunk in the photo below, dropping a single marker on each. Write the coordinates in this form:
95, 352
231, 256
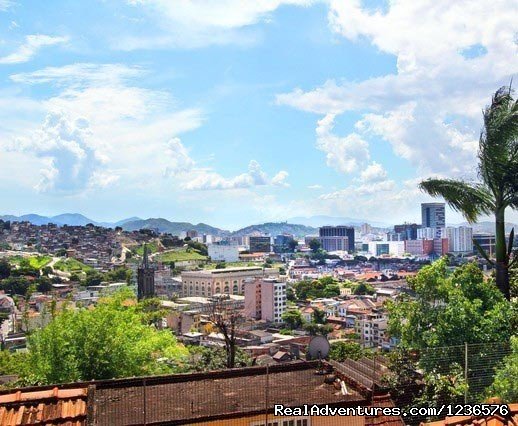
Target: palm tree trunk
502, 260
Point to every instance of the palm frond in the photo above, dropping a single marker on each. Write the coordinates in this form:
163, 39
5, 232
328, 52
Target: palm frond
472, 200
498, 144
482, 252
511, 242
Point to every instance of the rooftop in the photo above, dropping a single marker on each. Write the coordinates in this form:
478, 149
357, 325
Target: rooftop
49, 406
222, 393
210, 272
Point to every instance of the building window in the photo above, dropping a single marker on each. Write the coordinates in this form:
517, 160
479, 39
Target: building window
235, 289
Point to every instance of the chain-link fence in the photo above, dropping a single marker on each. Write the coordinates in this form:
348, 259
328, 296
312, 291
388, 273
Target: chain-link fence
432, 377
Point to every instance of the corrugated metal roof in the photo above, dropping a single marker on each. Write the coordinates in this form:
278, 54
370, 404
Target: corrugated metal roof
49, 407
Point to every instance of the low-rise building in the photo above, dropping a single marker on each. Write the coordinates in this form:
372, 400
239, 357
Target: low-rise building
215, 281
223, 252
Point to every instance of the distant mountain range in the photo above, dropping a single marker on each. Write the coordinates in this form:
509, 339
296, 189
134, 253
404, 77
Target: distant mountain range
174, 228
277, 228
298, 226
318, 221
489, 227
72, 219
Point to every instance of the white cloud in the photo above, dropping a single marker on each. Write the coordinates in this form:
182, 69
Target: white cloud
429, 110
209, 180
80, 74
32, 44
316, 186
196, 23
280, 179
5, 4
71, 161
373, 173
179, 162
131, 132
345, 154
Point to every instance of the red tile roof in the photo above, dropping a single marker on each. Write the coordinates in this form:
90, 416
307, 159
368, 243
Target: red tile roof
50, 407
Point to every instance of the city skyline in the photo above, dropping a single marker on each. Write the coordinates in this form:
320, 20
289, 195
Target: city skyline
233, 115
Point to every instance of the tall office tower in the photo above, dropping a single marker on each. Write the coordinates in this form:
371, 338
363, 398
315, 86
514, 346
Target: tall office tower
260, 244
408, 231
145, 278
337, 238
433, 215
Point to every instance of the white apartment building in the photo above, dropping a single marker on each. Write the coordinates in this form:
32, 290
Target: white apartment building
219, 252
460, 239
429, 233
265, 299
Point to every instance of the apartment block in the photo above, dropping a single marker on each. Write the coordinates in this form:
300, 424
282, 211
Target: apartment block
265, 299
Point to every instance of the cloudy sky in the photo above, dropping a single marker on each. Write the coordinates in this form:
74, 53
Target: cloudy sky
234, 112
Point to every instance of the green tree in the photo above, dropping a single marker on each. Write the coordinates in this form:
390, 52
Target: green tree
44, 285
112, 340
319, 316
314, 245
340, 351
15, 285
498, 185
318, 329
293, 319
363, 288
5, 269
292, 244
202, 358
450, 308
331, 290
505, 384
93, 278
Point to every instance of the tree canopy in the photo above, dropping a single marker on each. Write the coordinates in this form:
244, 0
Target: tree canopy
497, 188
113, 340
451, 308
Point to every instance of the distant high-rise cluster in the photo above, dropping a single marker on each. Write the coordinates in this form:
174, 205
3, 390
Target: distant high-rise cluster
337, 238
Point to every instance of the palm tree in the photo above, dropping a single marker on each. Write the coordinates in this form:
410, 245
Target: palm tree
497, 188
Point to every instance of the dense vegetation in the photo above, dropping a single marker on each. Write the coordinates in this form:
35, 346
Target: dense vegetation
112, 340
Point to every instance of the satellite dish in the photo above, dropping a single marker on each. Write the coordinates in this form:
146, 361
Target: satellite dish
318, 348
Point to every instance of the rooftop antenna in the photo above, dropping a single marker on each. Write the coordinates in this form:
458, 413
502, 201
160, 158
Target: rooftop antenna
318, 349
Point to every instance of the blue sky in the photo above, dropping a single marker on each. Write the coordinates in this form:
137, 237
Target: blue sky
234, 112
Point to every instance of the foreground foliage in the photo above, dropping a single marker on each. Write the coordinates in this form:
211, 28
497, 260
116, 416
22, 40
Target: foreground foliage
112, 340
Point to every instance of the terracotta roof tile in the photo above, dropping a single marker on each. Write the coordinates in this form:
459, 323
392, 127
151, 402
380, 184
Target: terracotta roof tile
49, 407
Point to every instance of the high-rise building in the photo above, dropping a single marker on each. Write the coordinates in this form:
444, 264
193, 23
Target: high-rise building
366, 229
145, 278
337, 238
281, 243
408, 231
433, 215
460, 240
265, 299
260, 244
